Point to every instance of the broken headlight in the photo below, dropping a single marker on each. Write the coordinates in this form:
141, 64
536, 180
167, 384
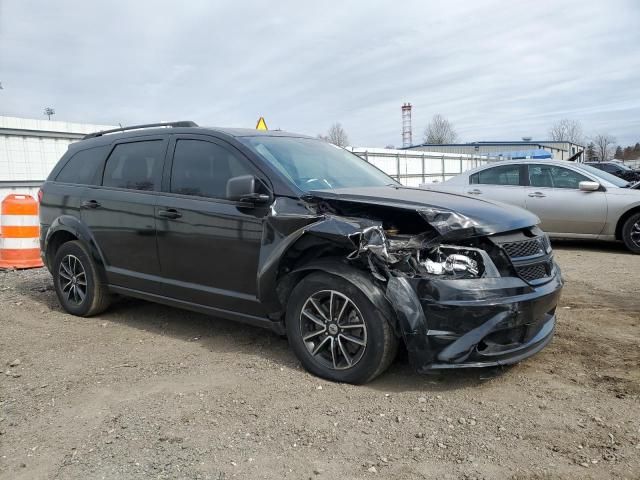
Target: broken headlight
451, 261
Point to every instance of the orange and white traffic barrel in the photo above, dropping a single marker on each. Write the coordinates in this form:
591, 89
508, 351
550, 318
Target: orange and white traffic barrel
19, 232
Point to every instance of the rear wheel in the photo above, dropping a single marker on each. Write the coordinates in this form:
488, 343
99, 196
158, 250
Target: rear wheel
76, 281
631, 233
336, 331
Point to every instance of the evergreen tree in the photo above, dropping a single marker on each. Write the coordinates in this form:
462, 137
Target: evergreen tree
619, 154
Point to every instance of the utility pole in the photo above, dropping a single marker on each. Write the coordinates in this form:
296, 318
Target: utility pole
48, 111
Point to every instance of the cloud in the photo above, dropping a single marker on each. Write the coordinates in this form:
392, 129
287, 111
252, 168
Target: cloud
497, 70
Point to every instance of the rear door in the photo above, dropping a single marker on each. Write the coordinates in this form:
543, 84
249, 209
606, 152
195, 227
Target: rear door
209, 246
554, 195
503, 183
120, 212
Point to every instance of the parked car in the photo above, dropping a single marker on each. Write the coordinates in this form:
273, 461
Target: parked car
618, 169
296, 235
572, 200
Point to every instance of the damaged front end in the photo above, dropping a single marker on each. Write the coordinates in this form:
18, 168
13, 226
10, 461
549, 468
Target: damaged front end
460, 293
484, 301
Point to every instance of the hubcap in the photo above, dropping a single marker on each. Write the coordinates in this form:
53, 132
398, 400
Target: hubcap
333, 329
635, 234
73, 280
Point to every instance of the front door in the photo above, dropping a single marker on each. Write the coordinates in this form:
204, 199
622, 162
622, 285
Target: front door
554, 195
208, 246
120, 212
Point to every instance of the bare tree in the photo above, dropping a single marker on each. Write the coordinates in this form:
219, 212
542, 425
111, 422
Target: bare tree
48, 111
440, 130
336, 135
603, 145
567, 130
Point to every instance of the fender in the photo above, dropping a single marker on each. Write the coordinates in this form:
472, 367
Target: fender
74, 226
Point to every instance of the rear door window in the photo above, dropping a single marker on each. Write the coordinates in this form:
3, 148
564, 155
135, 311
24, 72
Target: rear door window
502, 175
136, 165
203, 168
82, 168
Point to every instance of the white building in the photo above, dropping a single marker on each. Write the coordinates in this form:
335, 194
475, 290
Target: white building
30, 148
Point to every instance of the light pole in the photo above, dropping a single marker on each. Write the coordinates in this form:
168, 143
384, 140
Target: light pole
48, 111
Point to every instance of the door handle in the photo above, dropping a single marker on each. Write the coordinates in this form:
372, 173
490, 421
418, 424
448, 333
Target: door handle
537, 195
475, 191
90, 204
169, 213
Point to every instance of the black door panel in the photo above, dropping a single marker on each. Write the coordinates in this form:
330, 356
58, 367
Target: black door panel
208, 247
125, 231
209, 254
121, 212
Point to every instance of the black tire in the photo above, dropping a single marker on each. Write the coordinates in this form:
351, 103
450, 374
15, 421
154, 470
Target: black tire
631, 233
369, 361
91, 300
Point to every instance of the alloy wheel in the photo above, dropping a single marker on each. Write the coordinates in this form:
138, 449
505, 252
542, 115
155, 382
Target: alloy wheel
73, 279
333, 329
635, 234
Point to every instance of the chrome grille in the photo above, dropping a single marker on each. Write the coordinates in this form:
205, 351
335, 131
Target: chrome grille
525, 248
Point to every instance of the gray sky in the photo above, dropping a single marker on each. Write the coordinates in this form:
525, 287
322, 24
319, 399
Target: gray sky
497, 70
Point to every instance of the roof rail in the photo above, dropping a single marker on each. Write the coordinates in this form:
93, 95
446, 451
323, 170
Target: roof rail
184, 123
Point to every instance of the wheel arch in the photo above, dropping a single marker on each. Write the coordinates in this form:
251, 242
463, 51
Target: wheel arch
623, 218
68, 228
337, 266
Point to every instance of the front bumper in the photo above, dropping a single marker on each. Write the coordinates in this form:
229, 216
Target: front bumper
477, 323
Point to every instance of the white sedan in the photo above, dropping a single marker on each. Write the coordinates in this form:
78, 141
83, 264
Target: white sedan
572, 200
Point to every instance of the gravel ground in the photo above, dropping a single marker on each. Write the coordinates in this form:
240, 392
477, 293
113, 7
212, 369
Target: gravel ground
147, 391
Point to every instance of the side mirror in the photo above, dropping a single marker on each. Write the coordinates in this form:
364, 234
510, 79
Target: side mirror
243, 188
589, 186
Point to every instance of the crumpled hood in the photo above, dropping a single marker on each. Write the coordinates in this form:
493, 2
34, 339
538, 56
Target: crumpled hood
446, 212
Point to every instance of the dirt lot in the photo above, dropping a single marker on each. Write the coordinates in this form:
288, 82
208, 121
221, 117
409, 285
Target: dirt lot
146, 391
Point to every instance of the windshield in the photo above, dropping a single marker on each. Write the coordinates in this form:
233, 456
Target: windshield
617, 181
316, 164
623, 167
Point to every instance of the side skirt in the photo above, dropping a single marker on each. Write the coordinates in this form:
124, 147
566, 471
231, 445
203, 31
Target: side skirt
262, 322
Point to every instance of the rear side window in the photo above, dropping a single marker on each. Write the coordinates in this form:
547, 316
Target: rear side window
203, 169
503, 175
136, 166
83, 166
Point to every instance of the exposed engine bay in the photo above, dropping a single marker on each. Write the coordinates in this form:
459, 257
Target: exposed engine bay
461, 290
406, 255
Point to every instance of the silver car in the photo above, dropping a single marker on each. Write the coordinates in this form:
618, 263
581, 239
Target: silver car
572, 200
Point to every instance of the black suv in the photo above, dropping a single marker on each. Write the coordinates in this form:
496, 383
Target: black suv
299, 236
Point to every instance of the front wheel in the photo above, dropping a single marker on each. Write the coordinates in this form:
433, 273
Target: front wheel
631, 233
336, 332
